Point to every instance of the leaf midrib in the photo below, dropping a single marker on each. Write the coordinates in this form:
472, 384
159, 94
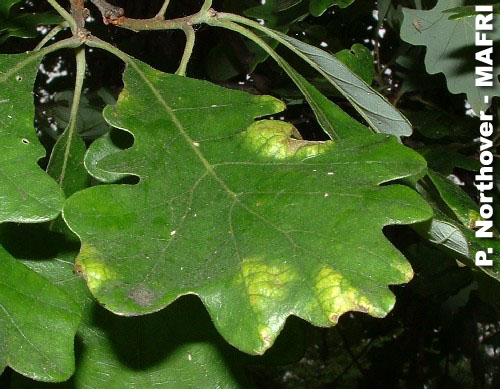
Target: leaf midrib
182, 131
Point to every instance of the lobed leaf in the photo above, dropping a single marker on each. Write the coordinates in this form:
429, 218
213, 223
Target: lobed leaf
258, 224
451, 49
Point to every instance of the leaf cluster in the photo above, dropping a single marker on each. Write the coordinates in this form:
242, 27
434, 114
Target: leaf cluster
234, 195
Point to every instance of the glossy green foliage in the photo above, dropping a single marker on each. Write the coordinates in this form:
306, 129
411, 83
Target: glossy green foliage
227, 210
27, 194
38, 322
22, 25
197, 221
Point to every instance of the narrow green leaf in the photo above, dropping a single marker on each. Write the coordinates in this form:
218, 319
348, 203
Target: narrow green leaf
38, 322
257, 224
28, 194
464, 208
451, 227
334, 121
468, 10
375, 109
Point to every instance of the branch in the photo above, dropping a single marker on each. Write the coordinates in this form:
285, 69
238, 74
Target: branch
207, 4
57, 168
109, 12
159, 23
79, 13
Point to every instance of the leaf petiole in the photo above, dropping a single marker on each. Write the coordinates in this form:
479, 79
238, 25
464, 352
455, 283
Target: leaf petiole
65, 14
51, 34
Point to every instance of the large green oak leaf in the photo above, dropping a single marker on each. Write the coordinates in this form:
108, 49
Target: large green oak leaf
38, 322
27, 193
255, 221
451, 49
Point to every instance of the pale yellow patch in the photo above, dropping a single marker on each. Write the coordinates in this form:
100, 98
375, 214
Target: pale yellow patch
404, 268
265, 282
337, 295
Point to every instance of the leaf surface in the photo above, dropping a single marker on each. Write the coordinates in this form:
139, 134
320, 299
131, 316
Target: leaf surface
451, 49
359, 60
27, 193
258, 224
66, 162
38, 322
5, 7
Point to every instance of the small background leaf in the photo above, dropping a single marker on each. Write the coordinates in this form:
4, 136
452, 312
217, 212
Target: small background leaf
451, 49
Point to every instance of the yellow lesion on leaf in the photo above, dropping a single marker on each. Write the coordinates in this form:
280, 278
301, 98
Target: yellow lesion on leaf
263, 281
404, 268
265, 286
337, 295
90, 266
280, 140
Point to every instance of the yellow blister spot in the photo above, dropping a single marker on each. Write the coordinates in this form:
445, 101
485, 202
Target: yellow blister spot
337, 295
90, 266
281, 140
